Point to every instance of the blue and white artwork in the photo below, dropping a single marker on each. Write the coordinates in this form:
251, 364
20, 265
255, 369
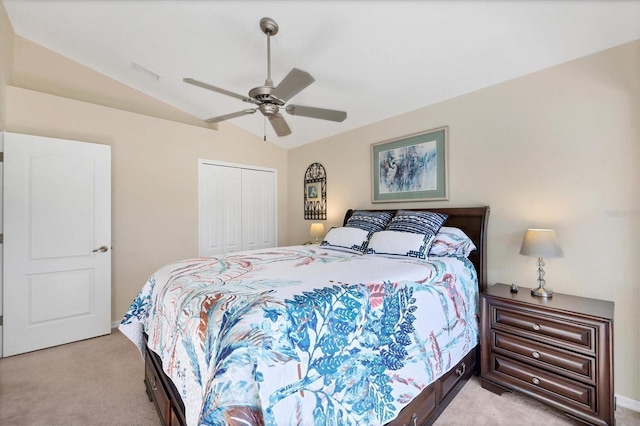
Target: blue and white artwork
410, 168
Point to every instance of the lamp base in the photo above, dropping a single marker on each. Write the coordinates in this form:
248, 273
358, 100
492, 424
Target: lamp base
542, 292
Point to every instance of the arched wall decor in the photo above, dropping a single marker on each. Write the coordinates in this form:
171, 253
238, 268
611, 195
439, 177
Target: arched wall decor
315, 192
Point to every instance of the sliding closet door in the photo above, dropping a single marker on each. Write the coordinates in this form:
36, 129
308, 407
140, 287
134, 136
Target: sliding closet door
237, 208
219, 190
258, 209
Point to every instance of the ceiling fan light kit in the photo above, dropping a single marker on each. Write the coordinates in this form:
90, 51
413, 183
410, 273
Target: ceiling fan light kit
269, 99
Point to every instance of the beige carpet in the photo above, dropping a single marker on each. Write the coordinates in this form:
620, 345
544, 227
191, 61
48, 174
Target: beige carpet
99, 382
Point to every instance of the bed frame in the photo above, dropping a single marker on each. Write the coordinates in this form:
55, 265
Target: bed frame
429, 404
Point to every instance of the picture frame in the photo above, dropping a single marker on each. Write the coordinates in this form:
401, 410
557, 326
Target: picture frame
313, 191
411, 168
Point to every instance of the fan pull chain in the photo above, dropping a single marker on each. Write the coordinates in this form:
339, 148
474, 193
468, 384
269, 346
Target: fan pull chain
264, 121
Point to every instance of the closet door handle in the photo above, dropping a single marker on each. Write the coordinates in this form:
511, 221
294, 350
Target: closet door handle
101, 249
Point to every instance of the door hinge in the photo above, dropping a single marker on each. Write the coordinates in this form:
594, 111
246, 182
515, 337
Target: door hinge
1, 238
1, 157
0, 319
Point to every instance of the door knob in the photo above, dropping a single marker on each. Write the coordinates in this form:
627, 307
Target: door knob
101, 249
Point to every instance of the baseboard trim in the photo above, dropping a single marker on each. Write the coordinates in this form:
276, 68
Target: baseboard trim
115, 324
629, 403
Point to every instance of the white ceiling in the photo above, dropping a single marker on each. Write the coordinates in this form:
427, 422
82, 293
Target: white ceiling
373, 59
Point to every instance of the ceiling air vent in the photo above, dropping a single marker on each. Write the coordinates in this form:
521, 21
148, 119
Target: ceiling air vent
145, 71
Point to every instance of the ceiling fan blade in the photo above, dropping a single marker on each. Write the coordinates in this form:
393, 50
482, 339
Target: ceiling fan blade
279, 125
321, 113
218, 90
230, 116
292, 84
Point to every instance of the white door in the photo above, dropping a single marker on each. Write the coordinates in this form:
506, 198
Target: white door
57, 242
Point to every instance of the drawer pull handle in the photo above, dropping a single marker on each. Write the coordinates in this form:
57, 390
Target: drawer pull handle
460, 370
536, 381
536, 327
536, 354
414, 417
153, 383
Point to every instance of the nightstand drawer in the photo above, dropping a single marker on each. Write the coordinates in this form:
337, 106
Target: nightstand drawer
555, 331
563, 362
536, 380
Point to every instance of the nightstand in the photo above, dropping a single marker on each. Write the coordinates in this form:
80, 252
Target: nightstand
557, 350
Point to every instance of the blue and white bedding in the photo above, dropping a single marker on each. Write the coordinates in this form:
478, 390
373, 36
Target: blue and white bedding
304, 334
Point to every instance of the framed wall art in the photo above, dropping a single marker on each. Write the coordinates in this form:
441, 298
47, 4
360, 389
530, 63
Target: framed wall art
315, 192
411, 168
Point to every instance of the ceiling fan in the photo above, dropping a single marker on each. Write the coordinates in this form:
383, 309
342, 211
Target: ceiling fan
269, 98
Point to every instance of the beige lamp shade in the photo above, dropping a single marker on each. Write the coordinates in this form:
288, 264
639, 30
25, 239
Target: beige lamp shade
541, 243
316, 231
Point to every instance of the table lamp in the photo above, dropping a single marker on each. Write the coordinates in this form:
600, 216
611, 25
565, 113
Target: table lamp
316, 230
541, 243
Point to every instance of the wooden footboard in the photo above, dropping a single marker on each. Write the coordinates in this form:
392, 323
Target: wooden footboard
423, 410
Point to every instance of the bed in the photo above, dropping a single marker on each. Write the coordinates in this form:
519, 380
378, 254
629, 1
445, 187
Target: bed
328, 334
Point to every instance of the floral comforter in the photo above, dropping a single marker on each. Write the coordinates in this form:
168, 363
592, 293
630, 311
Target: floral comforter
305, 335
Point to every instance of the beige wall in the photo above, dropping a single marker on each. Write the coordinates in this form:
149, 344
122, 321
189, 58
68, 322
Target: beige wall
557, 148
6, 59
154, 160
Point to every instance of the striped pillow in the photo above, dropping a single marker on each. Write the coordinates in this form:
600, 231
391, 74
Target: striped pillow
426, 223
369, 221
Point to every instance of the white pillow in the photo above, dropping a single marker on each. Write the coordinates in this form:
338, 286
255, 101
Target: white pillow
451, 242
396, 243
353, 240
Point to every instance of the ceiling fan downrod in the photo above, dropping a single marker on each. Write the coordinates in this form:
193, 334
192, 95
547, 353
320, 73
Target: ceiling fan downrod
270, 28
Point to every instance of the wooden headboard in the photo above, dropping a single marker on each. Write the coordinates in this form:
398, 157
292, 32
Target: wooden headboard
472, 221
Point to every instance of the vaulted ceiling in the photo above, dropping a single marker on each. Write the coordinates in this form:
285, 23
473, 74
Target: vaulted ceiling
373, 59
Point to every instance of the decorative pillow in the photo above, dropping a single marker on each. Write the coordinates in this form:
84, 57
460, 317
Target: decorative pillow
396, 243
451, 242
353, 240
369, 221
417, 222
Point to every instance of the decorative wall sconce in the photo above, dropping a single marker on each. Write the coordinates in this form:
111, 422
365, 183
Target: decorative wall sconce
315, 192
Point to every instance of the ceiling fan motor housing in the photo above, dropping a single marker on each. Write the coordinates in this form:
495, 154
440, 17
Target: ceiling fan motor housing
263, 94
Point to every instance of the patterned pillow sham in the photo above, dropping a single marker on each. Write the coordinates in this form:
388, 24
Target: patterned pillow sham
369, 221
417, 222
402, 244
352, 240
451, 242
